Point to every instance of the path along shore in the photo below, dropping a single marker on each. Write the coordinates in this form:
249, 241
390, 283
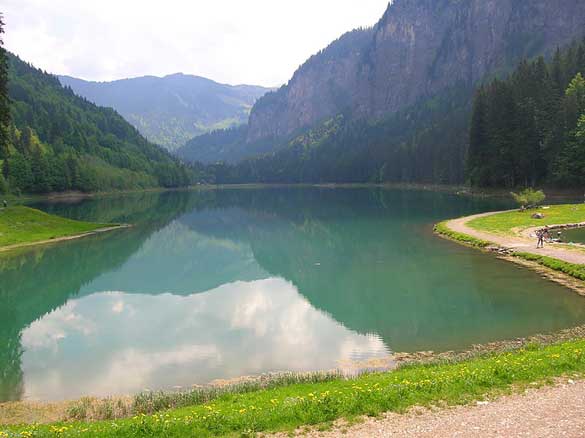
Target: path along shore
520, 243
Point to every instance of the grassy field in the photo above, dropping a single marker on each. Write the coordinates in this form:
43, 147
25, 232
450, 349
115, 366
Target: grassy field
514, 221
288, 407
22, 225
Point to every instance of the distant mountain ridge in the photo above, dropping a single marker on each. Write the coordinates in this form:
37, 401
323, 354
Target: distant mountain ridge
173, 109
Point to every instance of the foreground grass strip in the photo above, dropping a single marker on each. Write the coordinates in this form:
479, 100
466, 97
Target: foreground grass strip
289, 407
442, 229
505, 223
22, 225
151, 402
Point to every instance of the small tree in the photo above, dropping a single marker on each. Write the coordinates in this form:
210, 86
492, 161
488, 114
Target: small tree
529, 198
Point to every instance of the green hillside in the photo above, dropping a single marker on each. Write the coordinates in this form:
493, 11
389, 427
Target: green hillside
58, 141
173, 109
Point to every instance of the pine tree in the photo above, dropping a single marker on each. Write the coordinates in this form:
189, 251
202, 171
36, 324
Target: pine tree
533, 118
4, 100
478, 153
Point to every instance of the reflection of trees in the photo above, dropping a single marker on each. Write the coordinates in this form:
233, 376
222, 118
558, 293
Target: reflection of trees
365, 257
36, 281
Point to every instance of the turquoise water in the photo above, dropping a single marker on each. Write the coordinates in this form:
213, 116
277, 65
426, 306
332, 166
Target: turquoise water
219, 284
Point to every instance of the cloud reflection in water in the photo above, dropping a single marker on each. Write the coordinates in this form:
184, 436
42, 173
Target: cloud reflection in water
116, 343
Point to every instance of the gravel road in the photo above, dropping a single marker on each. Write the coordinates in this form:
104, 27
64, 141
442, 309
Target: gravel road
554, 411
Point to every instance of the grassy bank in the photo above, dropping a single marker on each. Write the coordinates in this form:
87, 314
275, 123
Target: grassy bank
442, 229
288, 407
514, 221
570, 269
23, 225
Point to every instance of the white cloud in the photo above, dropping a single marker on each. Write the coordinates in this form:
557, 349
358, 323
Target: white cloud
258, 41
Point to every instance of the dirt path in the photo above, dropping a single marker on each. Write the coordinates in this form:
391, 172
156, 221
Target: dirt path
517, 243
557, 411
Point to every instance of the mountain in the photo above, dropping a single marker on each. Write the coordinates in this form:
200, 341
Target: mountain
59, 141
173, 109
418, 49
393, 102
223, 145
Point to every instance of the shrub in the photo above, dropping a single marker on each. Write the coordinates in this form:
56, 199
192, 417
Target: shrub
529, 198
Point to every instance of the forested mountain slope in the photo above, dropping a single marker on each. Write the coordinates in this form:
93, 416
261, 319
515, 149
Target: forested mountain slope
393, 103
223, 146
59, 141
173, 109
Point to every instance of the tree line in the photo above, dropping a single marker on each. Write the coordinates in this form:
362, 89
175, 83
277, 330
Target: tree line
529, 128
423, 143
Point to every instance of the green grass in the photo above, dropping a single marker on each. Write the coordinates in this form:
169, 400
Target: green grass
150, 402
22, 225
572, 269
442, 229
286, 408
508, 222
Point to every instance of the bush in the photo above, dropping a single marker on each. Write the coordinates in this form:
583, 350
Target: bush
529, 198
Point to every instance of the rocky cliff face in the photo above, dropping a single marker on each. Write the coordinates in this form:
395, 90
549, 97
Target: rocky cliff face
417, 49
319, 88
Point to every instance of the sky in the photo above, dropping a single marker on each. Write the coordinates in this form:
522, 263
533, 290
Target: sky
259, 42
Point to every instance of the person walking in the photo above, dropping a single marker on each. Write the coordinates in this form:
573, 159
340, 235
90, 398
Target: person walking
540, 236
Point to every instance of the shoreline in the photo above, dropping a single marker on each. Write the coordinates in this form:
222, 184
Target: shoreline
462, 190
554, 262
50, 411
16, 246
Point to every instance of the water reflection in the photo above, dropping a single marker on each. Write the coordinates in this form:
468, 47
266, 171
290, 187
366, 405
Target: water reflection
219, 284
117, 343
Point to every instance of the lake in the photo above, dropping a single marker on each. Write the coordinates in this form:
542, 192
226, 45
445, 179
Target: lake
224, 283
575, 235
